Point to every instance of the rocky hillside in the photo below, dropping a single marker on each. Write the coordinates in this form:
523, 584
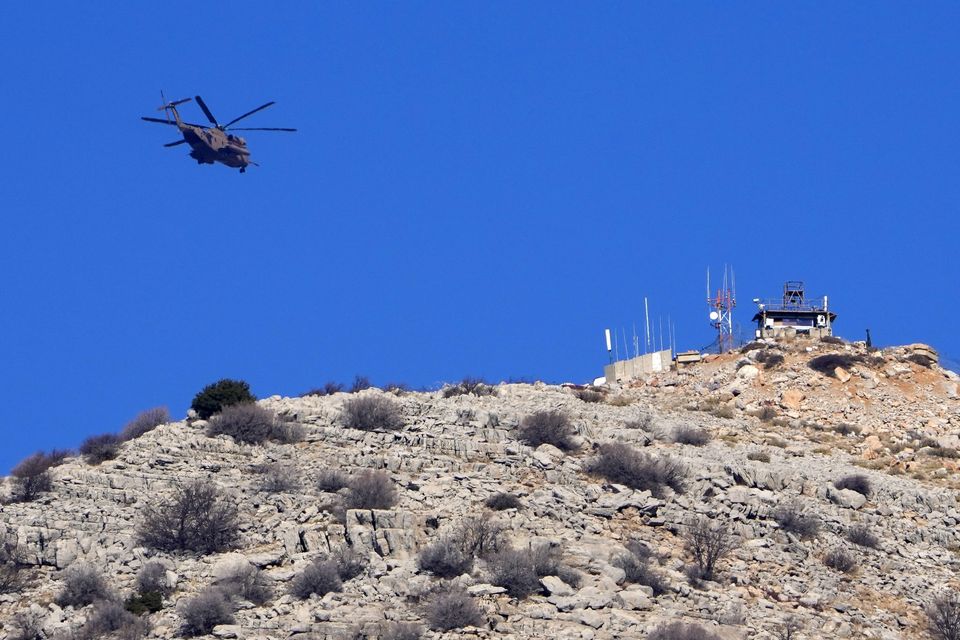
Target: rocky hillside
829, 470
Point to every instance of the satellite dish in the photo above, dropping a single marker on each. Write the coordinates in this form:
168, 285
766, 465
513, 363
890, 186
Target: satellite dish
714, 315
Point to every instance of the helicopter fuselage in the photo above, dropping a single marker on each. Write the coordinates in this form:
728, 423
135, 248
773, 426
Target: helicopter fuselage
212, 145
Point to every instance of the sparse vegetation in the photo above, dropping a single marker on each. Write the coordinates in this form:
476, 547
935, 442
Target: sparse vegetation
97, 449
332, 480
831, 340
360, 383
145, 422
278, 478
371, 490
840, 559
789, 629
328, 389
27, 624
480, 535
452, 608
827, 363
469, 386
845, 429
82, 585
246, 582
110, 619
620, 463
319, 578
766, 413
759, 456
31, 477
770, 359
589, 395
513, 569
860, 534
503, 501
401, 631
372, 413
548, 427
636, 567
793, 519
689, 434
943, 617
445, 558
350, 563
857, 482
152, 578
141, 603
252, 424
681, 631
213, 398
197, 518
11, 569
204, 611
643, 423
709, 545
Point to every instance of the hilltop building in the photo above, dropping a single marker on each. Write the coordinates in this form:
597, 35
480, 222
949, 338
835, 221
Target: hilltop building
793, 315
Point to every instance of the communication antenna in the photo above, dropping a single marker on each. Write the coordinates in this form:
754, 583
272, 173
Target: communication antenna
721, 305
609, 352
646, 314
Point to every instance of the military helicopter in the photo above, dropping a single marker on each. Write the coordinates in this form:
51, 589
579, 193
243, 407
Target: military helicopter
212, 144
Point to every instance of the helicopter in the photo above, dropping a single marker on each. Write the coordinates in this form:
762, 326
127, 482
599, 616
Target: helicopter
212, 144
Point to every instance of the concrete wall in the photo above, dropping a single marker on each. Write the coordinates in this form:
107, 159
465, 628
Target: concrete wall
638, 367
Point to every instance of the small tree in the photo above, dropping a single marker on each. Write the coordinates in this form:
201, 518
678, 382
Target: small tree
708, 545
197, 518
789, 629
11, 569
31, 477
223, 393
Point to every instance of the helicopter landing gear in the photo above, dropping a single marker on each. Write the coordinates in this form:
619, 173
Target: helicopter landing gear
243, 169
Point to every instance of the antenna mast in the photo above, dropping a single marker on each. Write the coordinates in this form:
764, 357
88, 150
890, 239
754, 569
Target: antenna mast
721, 307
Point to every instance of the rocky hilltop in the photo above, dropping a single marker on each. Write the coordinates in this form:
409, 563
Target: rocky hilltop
829, 469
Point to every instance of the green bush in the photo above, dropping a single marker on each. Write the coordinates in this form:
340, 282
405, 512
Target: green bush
223, 393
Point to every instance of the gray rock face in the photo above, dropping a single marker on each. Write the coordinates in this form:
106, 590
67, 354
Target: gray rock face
893, 420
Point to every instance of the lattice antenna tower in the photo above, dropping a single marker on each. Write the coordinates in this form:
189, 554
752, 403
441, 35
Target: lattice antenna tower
721, 304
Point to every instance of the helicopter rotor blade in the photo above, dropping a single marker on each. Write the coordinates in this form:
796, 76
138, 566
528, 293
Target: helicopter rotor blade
173, 144
248, 113
172, 123
206, 111
262, 129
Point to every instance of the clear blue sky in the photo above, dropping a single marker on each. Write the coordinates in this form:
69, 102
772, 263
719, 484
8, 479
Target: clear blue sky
476, 188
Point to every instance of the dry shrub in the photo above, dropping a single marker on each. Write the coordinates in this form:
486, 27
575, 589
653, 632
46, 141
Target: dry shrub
371, 490
548, 427
831, 340
97, 449
31, 477
328, 389
766, 414
589, 395
793, 519
759, 456
943, 617
197, 518
643, 423
145, 422
371, 413
110, 619
861, 535
725, 411
503, 501
452, 608
681, 631
445, 558
770, 359
636, 567
27, 624
691, 435
469, 386
204, 611
11, 569
360, 383
152, 578
840, 559
320, 577
82, 585
480, 535
857, 482
252, 424
513, 569
709, 545
827, 363
401, 631
332, 480
278, 478
620, 463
